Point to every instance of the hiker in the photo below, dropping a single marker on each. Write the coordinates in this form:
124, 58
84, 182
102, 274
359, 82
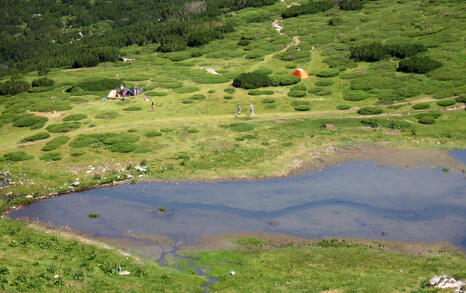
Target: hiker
251, 110
239, 110
153, 106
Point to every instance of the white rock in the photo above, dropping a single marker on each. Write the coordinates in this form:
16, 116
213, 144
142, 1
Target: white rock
140, 169
124, 273
232, 273
76, 183
56, 276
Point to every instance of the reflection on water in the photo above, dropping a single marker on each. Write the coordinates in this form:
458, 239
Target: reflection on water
355, 199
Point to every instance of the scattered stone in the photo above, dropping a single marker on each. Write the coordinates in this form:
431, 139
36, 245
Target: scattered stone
140, 169
76, 183
56, 276
446, 282
124, 273
29, 196
232, 273
212, 71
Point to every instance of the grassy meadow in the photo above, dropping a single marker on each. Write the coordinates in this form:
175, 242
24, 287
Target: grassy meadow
54, 136
64, 137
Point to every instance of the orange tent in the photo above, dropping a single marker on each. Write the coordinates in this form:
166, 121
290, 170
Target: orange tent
301, 73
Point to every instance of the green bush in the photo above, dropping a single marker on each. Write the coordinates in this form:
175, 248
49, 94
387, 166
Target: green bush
343, 107
310, 7
27, 120
324, 82
374, 123
432, 114
119, 143
323, 92
63, 127
332, 72
187, 101
368, 52
17, 156
284, 79
153, 134
298, 91
405, 50
302, 108
166, 129
446, 103
350, 95
13, 87
132, 130
42, 82
268, 101
229, 90
157, 94
133, 108
100, 84
228, 97
75, 117
172, 43
418, 64
76, 154
252, 80
300, 103
369, 111
54, 156
241, 127
55, 143
246, 136
461, 99
198, 97
38, 136
192, 130
421, 106
350, 4
426, 120
122, 147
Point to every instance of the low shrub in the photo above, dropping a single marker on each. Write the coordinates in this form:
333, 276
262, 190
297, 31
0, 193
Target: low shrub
405, 50
323, 92
122, 147
369, 111
284, 79
13, 87
77, 154
334, 21
343, 107
211, 91
245, 137
350, 4
421, 106
17, 156
132, 108
228, 97
358, 95
324, 82
166, 129
229, 90
302, 108
53, 156
300, 103
426, 120
75, 117
132, 130
374, 123
153, 134
157, 94
27, 120
268, 101
42, 82
252, 80
198, 97
298, 91
38, 136
332, 72
119, 143
100, 84
310, 7
63, 127
461, 99
368, 52
241, 127
55, 143
432, 114
418, 64
446, 103
187, 101
192, 130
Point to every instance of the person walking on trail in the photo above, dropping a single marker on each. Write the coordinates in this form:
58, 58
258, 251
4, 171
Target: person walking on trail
251, 110
239, 110
153, 106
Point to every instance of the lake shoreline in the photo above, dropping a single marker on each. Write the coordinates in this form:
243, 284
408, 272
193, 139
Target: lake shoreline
399, 158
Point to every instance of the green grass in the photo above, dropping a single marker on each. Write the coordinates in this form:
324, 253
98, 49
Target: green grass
187, 98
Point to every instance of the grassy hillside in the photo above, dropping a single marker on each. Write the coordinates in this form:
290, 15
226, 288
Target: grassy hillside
64, 137
39, 262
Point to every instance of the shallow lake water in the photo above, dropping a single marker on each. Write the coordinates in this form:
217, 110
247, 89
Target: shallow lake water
355, 199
